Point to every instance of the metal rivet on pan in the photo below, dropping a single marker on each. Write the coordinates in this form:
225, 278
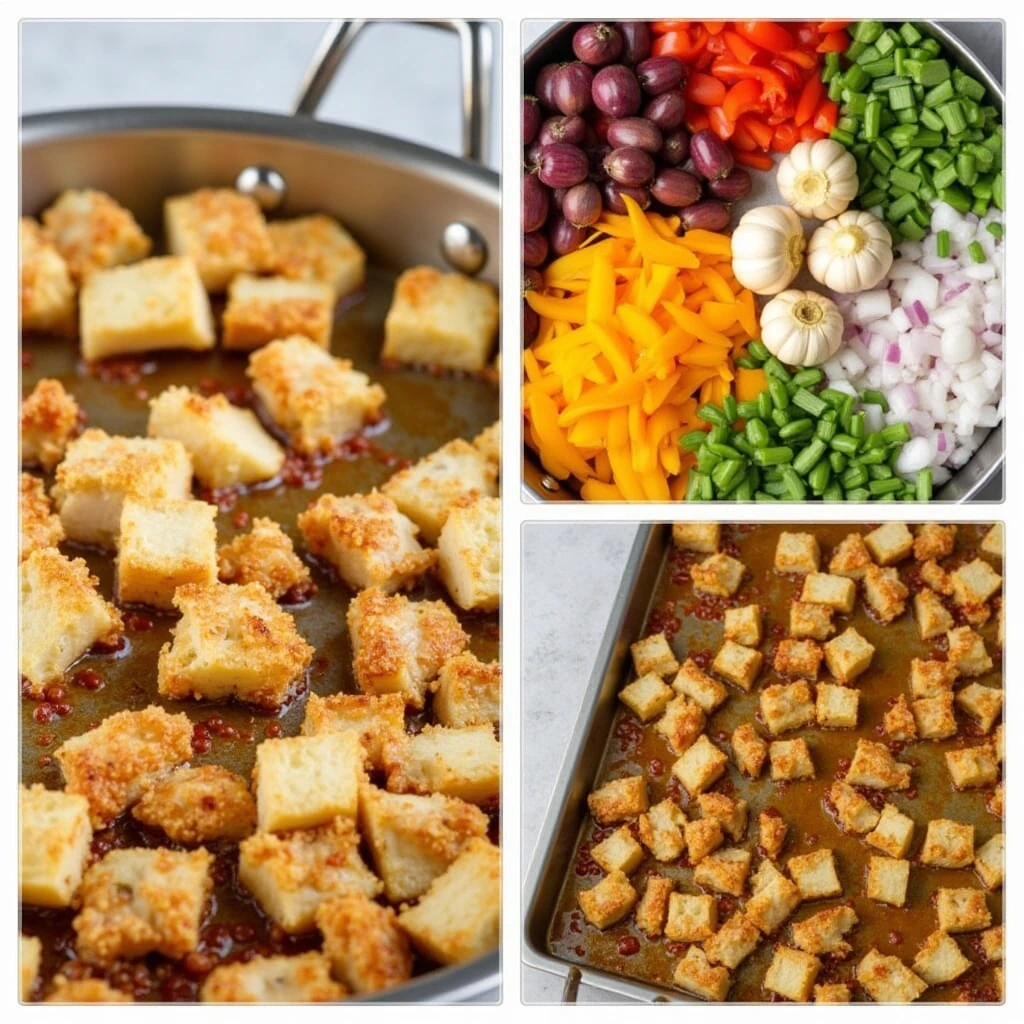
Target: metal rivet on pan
264, 184
549, 483
463, 247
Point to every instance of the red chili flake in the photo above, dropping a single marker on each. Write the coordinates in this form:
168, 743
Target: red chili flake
675, 948
44, 713
628, 945
63, 708
45, 761
224, 498
136, 622
241, 519
243, 933
87, 679
656, 766
895, 938
209, 386
580, 951
142, 394
109, 646
44, 739
121, 370
300, 593
198, 965
54, 692
27, 359
202, 741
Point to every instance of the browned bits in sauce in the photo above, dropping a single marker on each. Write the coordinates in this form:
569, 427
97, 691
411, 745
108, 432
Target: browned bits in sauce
27, 359
225, 498
272, 730
136, 622
202, 741
300, 593
241, 519
45, 713
44, 739
301, 471
656, 766
88, 679
54, 692
45, 761
895, 938
109, 646
198, 965
628, 945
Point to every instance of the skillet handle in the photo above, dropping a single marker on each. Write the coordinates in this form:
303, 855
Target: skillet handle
477, 51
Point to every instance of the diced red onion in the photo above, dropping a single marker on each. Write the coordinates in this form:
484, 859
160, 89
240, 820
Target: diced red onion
921, 313
892, 353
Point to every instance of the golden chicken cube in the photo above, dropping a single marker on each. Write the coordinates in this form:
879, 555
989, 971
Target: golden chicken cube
469, 554
231, 641
302, 978
164, 545
317, 248
39, 526
316, 399
441, 319
93, 231
458, 917
468, 691
49, 419
139, 901
222, 231
156, 304
366, 539
99, 471
262, 309
113, 764
292, 874
304, 781
62, 614
429, 490
265, 555
465, 763
377, 721
228, 445
55, 838
47, 291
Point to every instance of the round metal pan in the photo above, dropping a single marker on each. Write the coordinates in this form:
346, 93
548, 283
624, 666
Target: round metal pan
397, 199
981, 477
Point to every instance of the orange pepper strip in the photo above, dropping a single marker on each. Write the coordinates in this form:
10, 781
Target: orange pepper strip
619, 456
595, 490
710, 242
690, 321
544, 416
651, 245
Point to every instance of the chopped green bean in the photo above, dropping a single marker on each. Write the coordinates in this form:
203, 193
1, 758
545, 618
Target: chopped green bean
759, 351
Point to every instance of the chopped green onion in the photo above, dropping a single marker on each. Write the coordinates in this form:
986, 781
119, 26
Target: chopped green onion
995, 229
977, 252
942, 244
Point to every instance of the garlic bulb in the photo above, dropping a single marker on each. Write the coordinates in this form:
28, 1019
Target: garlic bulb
801, 328
851, 253
818, 179
767, 249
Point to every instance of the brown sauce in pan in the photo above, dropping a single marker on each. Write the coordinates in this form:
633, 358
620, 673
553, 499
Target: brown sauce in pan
424, 409
695, 630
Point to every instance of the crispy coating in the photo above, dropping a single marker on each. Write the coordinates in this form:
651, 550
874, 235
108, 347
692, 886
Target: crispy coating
222, 230
111, 764
139, 901
378, 720
467, 691
316, 399
55, 836
264, 555
62, 615
46, 290
273, 979
93, 231
85, 990
232, 641
317, 248
366, 539
49, 419
40, 525
261, 309
292, 874
196, 805
399, 645
364, 943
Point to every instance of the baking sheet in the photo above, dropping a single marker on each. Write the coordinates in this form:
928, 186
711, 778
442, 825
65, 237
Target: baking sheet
604, 746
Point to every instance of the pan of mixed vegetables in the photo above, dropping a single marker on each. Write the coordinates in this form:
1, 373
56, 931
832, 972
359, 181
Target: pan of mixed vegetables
763, 261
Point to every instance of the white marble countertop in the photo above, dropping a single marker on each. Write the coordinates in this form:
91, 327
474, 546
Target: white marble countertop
401, 80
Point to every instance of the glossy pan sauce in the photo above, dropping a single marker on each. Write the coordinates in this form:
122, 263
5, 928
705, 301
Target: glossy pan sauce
694, 626
424, 409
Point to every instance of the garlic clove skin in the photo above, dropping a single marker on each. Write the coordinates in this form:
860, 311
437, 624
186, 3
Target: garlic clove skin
818, 179
801, 328
851, 253
767, 249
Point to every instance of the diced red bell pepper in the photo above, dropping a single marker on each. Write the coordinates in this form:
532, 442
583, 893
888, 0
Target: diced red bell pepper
772, 83
785, 138
825, 27
742, 139
760, 161
826, 116
834, 42
802, 59
720, 122
789, 71
810, 97
697, 120
684, 43
761, 132
808, 133
706, 90
769, 35
715, 27
742, 98
742, 50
